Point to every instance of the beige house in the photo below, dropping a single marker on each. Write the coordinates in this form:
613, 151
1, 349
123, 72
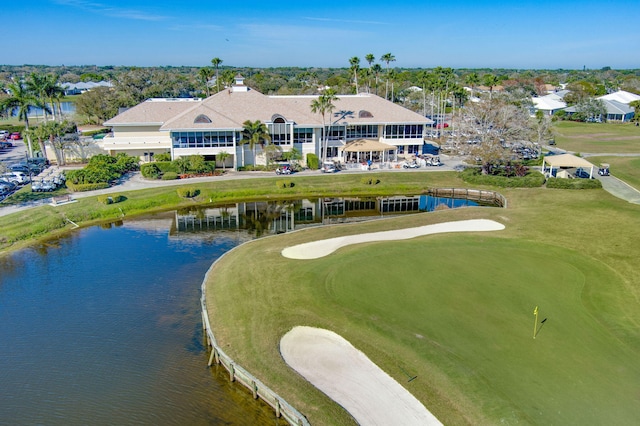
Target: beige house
214, 125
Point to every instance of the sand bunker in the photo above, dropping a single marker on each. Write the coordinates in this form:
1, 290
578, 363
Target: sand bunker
341, 371
317, 249
347, 376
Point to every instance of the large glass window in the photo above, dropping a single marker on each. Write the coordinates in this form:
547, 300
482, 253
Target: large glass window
367, 131
280, 132
302, 135
403, 131
336, 133
216, 139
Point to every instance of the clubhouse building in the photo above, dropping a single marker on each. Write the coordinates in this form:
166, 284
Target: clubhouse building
361, 127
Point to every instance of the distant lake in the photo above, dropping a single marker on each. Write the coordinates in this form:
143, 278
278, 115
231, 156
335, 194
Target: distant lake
68, 108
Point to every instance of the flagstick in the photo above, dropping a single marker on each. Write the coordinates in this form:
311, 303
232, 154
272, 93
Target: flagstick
535, 324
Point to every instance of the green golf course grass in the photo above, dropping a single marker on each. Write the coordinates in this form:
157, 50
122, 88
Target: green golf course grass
456, 310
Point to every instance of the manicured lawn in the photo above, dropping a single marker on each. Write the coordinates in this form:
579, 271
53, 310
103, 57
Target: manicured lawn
625, 168
597, 137
29, 224
457, 310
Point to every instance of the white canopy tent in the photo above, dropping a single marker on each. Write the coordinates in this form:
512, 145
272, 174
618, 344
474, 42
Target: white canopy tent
566, 161
368, 149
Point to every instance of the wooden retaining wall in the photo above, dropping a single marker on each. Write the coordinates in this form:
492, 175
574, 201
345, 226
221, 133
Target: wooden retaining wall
483, 196
240, 375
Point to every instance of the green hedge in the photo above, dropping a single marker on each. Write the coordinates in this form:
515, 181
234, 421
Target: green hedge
170, 176
533, 179
313, 162
81, 187
172, 166
561, 183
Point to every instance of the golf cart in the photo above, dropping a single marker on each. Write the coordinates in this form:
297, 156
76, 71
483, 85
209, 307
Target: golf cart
328, 167
603, 170
284, 169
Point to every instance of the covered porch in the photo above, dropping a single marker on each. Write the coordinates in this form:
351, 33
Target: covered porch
367, 151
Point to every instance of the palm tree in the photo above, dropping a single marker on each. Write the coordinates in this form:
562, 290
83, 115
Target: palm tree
386, 58
53, 93
40, 134
472, 80
36, 84
205, 74
355, 67
22, 99
324, 105
216, 64
491, 81
222, 157
376, 69
254, 133
370, 60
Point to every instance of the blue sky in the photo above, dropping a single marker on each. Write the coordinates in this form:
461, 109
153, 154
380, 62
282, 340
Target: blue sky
464, 34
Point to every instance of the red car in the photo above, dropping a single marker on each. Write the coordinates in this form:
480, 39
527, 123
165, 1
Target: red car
15, 136
442, 125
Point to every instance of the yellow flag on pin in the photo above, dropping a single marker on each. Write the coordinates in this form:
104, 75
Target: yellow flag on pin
535, 311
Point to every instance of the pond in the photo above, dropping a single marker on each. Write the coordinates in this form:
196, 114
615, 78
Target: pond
103, 326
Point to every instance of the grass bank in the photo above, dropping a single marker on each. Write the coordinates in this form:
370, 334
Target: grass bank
457, 310
597, 137
19, 229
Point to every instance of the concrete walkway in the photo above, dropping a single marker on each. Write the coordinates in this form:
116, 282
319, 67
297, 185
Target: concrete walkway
135, 181
619, 188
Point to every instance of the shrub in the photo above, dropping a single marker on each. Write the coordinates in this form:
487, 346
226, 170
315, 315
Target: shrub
165, 156
118, 198
150, 171
167, 166
370, 181
313, 162
188, 192
561, 183
105, 199
532, 179
170, 176
282, 184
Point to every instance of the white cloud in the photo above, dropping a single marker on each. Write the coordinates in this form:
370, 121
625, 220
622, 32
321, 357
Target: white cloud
114, 12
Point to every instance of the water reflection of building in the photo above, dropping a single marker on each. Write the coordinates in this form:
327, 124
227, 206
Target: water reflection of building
275, 217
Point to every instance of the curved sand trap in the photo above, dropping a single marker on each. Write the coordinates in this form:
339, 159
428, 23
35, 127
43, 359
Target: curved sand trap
321, 248
347, 376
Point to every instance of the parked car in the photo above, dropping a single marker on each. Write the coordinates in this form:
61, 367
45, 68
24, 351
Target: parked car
16, 136
9, 185
16, 176
5, 144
